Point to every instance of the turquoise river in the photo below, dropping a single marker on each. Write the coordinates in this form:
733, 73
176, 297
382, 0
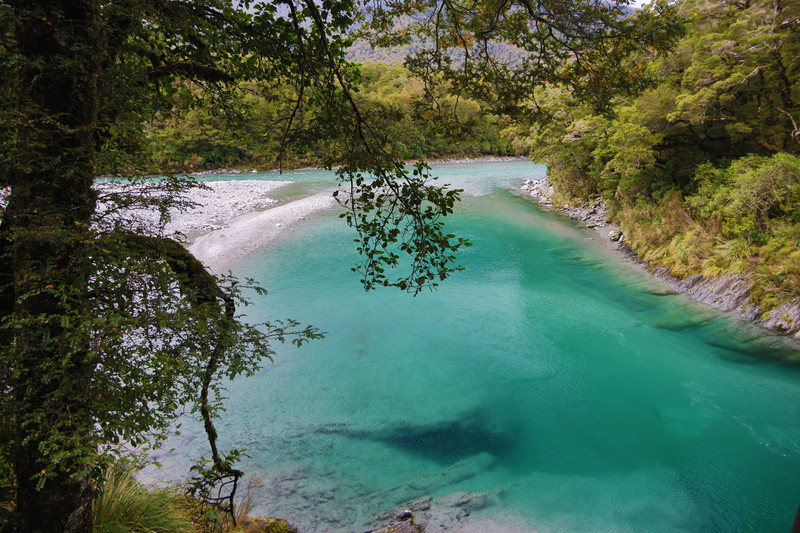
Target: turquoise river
552, 382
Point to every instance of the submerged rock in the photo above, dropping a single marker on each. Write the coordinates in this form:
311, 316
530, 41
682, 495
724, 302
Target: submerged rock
428, 515
263, 524
402, 523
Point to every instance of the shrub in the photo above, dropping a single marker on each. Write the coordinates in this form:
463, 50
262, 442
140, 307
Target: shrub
745, 198
779, 266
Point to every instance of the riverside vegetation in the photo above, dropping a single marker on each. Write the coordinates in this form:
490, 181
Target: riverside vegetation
702, 170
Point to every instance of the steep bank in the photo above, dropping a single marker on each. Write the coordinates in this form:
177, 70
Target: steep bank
727, 293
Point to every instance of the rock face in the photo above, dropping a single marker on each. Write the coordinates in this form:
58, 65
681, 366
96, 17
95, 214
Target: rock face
727, 293
732, 293
785, 318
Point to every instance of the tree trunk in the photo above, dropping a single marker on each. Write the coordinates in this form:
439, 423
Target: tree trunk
46, 227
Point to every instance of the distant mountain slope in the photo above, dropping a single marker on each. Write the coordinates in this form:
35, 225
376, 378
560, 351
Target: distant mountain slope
363, 52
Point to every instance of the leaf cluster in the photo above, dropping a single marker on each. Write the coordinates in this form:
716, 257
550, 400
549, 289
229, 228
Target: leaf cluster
401, 214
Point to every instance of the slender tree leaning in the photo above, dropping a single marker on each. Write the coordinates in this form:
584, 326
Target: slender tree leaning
110, 329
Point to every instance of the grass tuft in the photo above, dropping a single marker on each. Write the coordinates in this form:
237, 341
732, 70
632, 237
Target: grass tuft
125, 505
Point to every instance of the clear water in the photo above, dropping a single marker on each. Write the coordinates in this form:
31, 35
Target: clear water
550, 375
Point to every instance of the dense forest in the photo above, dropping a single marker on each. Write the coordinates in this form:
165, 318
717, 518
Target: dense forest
191, 137
702, 170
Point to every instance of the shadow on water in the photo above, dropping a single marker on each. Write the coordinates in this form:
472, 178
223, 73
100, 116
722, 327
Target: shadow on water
444, 443
576, 261
668, 313
745, 345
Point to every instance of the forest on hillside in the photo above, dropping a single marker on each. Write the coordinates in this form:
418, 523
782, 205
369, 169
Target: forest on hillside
191, 137
702, 170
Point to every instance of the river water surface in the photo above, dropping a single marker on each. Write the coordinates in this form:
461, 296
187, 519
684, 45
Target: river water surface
561, 384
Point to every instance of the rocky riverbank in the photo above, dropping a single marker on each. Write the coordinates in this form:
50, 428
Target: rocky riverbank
729, 293
208, 208
593, 215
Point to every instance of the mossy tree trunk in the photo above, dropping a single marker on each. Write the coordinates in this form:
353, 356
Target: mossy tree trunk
46, 222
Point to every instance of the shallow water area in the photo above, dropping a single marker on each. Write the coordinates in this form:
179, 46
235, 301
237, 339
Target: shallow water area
551, 386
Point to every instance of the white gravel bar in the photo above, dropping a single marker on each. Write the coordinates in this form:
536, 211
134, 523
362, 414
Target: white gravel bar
222, 248
222, 202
